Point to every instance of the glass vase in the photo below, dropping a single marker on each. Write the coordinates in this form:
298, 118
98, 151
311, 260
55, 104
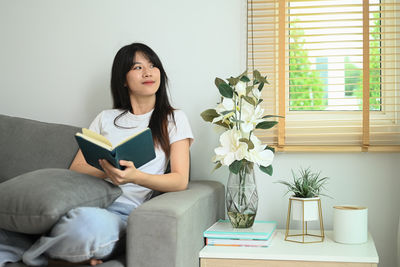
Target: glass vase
242, 197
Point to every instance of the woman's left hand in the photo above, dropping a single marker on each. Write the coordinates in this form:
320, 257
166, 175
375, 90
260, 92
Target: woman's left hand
118, 176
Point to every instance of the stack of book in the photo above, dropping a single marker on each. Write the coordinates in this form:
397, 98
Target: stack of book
223, 234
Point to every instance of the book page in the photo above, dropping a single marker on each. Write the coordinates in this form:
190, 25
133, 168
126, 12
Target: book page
94, 141
96, 136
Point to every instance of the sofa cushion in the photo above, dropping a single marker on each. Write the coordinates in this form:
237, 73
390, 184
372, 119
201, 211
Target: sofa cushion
31, 203
28, 145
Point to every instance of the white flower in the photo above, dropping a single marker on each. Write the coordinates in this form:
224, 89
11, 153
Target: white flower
251, 116
231, 148
241, 88
239, 116
226, 104
259, 154
224, 118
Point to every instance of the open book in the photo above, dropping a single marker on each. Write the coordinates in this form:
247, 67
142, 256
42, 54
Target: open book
138, 148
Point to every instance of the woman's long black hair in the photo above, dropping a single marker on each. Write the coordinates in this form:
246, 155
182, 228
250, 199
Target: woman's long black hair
122, 64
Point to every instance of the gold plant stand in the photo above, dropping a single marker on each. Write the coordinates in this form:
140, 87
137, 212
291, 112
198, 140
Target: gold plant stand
304, 231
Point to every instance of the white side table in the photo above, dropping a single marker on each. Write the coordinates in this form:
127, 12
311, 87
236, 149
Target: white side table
284, 254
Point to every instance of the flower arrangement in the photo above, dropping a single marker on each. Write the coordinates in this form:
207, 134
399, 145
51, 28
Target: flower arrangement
240, 113
307, 184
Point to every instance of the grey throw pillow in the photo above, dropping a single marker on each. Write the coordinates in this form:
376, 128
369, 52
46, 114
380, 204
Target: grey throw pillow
33, 202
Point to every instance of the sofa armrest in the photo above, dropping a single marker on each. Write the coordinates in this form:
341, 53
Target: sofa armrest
168, 230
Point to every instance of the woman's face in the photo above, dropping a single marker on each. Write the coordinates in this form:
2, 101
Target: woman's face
144, 78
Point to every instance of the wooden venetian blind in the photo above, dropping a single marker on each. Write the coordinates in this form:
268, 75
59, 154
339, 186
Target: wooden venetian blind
333, 69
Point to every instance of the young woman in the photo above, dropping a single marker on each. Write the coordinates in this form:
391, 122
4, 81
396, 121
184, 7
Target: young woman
139, 92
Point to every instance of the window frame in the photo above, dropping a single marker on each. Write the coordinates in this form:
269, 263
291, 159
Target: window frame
389, 113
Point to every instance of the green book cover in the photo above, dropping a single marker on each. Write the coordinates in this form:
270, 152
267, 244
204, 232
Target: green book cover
138, 148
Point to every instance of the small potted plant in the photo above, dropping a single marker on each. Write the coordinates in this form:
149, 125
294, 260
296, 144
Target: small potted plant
306, 189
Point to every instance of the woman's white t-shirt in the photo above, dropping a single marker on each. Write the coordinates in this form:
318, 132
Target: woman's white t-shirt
103, 124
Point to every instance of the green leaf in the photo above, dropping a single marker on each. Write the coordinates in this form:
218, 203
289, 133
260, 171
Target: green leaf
209, 115
224, 89
259, 101
248, 89
270, 148
227, 112
243, 74
268, 170
272, 116
257, 75
218, 81
249, 143
245, 79
261, 86
249, 100
217, 166
266, 124
265, 80
235, 166
233, 81
220, 123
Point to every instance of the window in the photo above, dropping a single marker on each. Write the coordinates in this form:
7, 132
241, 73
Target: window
333, 68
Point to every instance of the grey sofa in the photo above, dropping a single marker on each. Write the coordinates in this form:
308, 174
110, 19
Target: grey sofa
164, 231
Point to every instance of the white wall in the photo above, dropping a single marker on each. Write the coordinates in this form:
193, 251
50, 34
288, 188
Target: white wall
55, 62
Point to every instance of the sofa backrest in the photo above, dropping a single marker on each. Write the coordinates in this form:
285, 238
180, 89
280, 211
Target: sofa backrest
27, 145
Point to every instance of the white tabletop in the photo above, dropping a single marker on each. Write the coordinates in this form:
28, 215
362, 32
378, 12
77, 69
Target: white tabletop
328, 250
